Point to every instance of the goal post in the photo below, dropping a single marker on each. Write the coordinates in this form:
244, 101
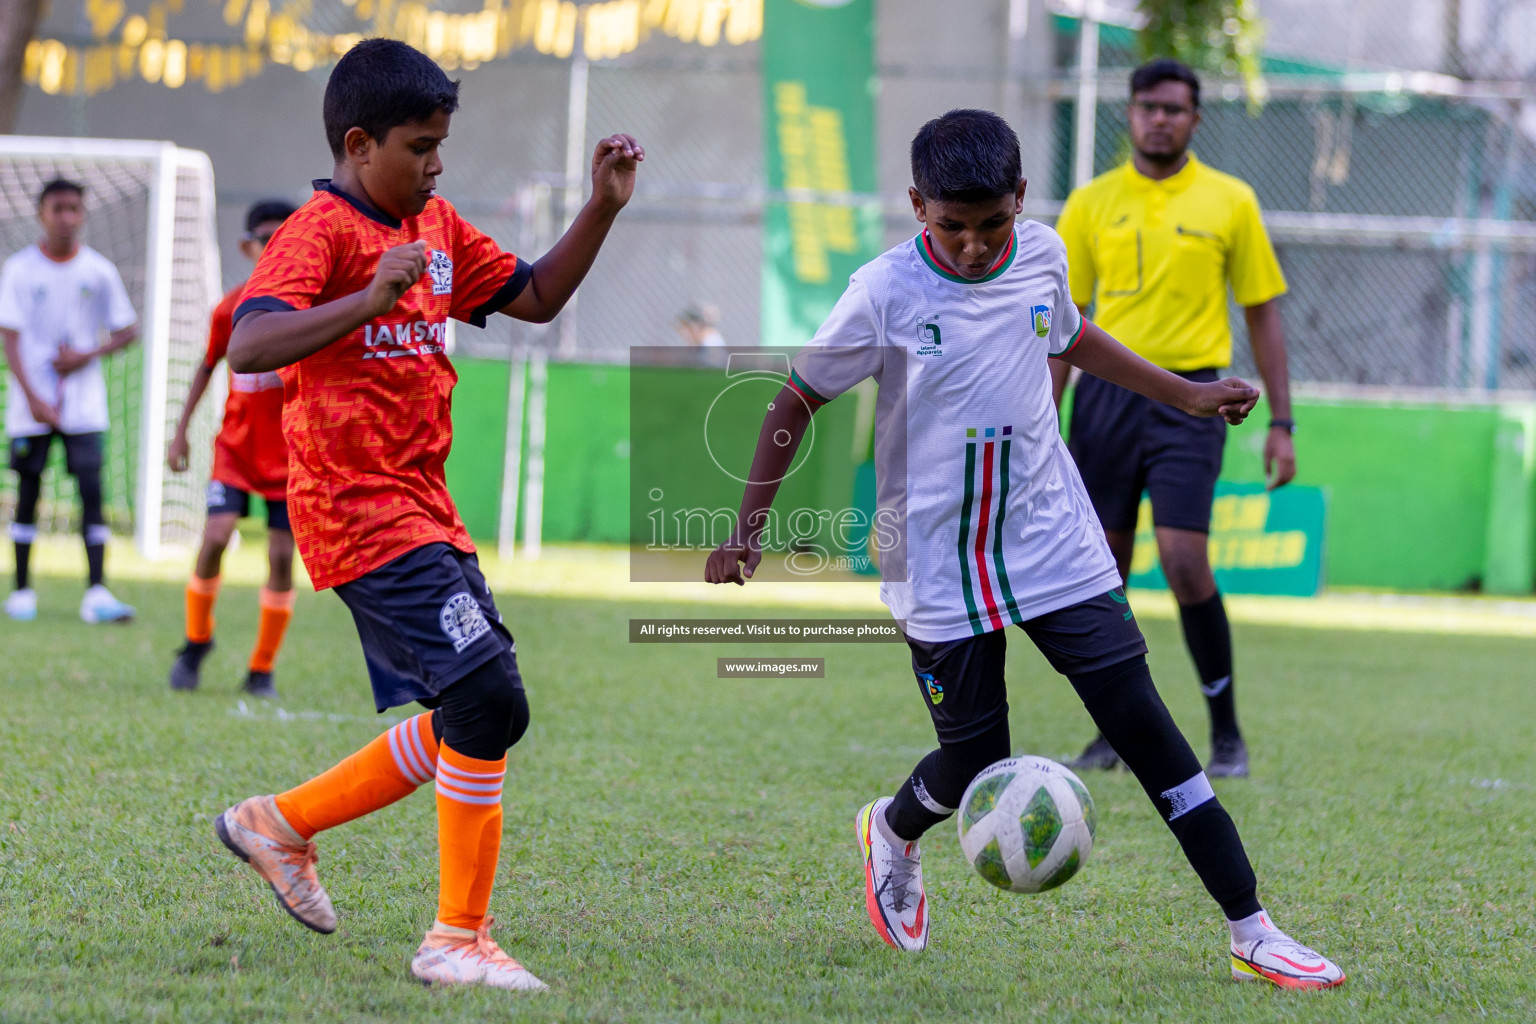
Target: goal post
150, 210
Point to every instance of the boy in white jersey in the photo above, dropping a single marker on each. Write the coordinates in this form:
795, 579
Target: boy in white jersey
957, 327
57, 300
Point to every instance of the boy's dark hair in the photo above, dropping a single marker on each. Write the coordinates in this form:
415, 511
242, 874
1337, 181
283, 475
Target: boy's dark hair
1165, 69
966, 156
58, 185
265, 211
382, 83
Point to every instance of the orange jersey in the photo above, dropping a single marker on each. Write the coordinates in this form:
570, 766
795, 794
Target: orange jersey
249, 452
367, 418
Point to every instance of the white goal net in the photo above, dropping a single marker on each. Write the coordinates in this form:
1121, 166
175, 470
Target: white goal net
150, 210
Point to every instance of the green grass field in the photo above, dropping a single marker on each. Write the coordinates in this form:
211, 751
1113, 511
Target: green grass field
680, 847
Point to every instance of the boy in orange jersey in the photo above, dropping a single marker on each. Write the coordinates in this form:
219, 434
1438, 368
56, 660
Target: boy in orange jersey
349, 302
249, 457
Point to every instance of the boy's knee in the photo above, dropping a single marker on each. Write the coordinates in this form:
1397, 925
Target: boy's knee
486, 712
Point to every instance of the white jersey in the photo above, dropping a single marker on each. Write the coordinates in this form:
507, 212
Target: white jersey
52, 305
994, 523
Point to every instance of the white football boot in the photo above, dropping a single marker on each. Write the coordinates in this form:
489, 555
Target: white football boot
21, 605
893, 882
1277, 958
458, 956
98, 605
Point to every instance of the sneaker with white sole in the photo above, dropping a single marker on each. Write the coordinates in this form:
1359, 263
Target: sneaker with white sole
98, 605
256, 832
21, 605
1280, 960
893, 882
459, 956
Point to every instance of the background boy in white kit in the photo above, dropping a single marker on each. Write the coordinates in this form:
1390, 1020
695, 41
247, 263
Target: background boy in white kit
57, 299
957, 326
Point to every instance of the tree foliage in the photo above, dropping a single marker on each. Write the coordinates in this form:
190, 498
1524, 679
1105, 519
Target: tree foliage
1217, 36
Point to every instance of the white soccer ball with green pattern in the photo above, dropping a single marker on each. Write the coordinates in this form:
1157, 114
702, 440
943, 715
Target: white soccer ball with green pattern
1027, 824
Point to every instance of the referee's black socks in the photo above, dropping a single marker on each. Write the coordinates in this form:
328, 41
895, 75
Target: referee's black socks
1128, 711
1209, 638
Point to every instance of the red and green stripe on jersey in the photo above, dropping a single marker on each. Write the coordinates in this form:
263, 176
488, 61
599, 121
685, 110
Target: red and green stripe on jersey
798, 385
983, 575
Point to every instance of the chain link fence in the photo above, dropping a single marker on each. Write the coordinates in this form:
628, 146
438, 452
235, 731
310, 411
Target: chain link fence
1404, 221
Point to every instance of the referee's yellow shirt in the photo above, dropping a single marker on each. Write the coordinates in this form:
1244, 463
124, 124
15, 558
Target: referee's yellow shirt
1156, 258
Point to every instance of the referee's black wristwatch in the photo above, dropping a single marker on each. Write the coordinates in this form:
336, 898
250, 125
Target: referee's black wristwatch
1289, 426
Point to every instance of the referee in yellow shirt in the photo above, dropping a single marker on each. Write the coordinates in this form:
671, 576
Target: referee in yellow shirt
1154, 245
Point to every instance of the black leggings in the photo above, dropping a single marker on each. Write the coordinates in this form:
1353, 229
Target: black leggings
1126, 708
484, 714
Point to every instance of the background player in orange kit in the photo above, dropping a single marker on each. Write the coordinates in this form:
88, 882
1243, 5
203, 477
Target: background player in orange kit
249, 457
350, 301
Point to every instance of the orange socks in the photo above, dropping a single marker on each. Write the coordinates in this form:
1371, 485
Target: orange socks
201, 595
389, 768
468, 835
276, 610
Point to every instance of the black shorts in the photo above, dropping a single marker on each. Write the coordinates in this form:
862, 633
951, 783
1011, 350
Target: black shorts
426, 620
82, 452
962, 680
224, 497
1125, 443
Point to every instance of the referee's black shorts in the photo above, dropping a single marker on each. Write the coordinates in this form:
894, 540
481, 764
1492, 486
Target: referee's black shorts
1125, 443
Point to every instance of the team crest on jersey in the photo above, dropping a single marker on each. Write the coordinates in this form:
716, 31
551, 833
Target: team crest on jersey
441, 269
462, 620
1040, 316
930, 337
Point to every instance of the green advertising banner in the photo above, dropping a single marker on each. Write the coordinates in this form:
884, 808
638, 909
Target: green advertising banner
819, 117
1262, 542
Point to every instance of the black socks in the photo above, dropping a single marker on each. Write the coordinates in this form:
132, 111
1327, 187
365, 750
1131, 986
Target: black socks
1209, 638
933, 791
1126, 708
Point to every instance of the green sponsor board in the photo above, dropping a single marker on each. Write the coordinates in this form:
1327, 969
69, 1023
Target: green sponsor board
819, 118
1262, 542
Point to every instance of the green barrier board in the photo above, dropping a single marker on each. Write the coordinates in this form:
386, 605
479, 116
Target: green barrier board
1262, 542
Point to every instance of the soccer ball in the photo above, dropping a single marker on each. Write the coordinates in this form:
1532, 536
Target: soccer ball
1026, 824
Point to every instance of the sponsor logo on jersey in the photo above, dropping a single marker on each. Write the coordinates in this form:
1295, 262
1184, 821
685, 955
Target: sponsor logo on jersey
933, 686
1040, 316
441, 269
462, 620
930, 339
413, 338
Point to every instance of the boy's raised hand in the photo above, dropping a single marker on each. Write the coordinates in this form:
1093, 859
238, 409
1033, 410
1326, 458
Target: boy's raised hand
732, 560
1232, 398
613, 169
399, 269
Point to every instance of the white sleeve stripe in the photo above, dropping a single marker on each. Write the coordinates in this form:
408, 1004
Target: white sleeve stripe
1188, 795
